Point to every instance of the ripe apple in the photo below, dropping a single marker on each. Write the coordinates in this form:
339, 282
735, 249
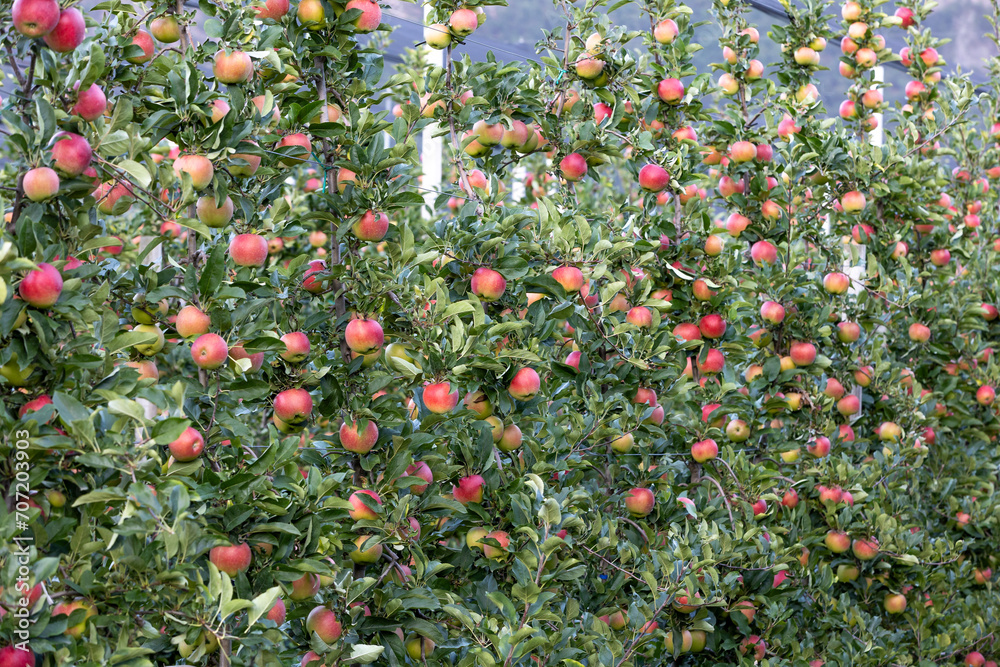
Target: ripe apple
488, 284
665, 31
463, 21
41, 287
293, 406
704, 450
144, 41
324, 623
437, 36
670, 91
12, 656
233, 559
423, 471
68, 33
359, 443
191, 321
40, 183
985, 395
525, 384
853, 202
361, 511
371, 15
248, 169
573, 167
570, 277
653, 178
305, 587
640, 502
302, 149
188, 446
35, 18
371, 226
296, 347
71, 154
209, 351
364, 336
272, 9
469, 490
248, 250
439, 397
865, 549
802, 354
919, 333
230, 68
763, 252
712, 326
772, 313
198, 167
90, 103
640, 316
836, 283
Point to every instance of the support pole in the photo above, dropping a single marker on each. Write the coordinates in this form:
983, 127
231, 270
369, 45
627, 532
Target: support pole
431, 147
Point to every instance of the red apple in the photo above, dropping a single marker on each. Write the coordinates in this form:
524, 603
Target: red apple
293, 406
324, 623
653, 178
439, 398
670, 91
230, 68
191, 322
525, 384
209, 351
704, 450
359, 443
640, 502
360, 511
71, 154
41, 287
40, 184
248, 250
35, 18
233, 559
371, 15
488, 284
144, 41
371, 226
68, 33
423, 471
90, 103
364, 336
469, 490
188, 446
573, 167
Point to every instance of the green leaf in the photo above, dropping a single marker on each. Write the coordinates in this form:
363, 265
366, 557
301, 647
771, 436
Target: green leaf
365, 653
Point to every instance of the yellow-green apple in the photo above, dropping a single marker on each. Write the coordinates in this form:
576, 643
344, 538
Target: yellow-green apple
35, 18
361, 511
69, 31
40, 183
418, 647
396, 354
511, 439
191, 321
488, 284
165, 29
188, 446
469, 490
248, 250
728, 84
573, 167
847, 572
848, 332
889, 432
371, 15
836, 283
209, 351
71, 154
486, 134
623, 443
639, 502
41, 287
704, 450
144, 41
496, 552
837, 541
423, 471
233, 559
737, 430
305, 587
154, 346
496, 426
248, 169
235, 67
324, 623
369, 554
895, 603
198, 167
525, 384
359, 443
296, 347
364, 335
293, 406
683, 646
477, 402
473, 538
211, 214
588, 66
311, 14
67, 609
